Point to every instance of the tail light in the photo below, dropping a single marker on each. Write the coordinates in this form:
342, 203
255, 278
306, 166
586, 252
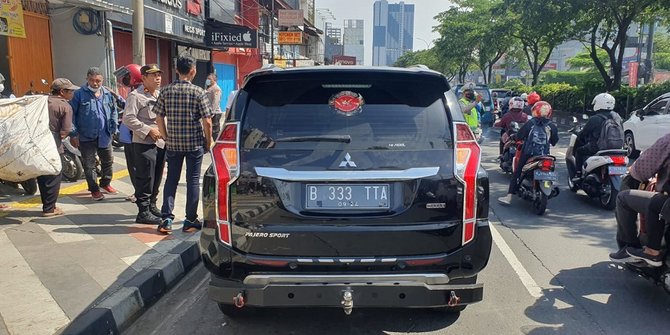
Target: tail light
225, 156
547, 165
619, 160
468, 156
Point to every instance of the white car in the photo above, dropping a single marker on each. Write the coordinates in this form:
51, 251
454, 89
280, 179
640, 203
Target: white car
647, 125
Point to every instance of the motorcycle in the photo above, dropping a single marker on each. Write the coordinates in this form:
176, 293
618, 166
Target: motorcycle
507, 159
536, 183
601, 174
659, 275
73, 169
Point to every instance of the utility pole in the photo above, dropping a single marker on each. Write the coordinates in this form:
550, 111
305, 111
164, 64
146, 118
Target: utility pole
138, 32
272, 32
648, 77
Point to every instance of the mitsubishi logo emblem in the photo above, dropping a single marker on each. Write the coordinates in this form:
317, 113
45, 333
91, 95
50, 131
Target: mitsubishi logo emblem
347, 162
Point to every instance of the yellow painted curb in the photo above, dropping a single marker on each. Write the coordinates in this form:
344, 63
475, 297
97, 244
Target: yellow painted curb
37, 201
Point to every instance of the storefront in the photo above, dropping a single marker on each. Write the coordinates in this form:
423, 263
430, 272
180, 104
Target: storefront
171, 27
25, 46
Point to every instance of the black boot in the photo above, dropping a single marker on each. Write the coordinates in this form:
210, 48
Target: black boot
147, 217
154, 209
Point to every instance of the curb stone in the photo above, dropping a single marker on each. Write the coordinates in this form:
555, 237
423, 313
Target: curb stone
116, 312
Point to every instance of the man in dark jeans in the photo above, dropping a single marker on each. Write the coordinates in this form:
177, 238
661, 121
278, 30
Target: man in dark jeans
96, 119
654, 161
184, 118
148, 151
60, 124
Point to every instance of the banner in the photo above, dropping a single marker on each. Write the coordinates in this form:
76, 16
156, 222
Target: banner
632, 73
223, 35
291, 17
11, 18
289, 38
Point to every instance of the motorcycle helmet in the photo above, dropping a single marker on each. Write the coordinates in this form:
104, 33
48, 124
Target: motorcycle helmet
129, 75
603, 101
516, 103
542, 109
533, 98
524, 96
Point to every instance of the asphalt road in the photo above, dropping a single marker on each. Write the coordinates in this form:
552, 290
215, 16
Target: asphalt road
547, 275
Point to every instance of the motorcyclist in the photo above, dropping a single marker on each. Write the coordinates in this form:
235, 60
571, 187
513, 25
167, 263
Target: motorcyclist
531, 100
515, 114
468, 105
541, 113
654, 161
587, 139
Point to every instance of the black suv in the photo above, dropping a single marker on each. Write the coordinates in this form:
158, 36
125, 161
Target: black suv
345, 187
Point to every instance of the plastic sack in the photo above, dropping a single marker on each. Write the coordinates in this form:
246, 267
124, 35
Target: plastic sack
27, 146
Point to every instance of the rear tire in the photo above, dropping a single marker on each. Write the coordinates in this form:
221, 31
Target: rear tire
540, 204
72, 167
29, 186
608, 201
629, 145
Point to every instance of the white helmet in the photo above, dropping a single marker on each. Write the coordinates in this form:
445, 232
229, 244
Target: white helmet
516, 103
524, 96
603, 101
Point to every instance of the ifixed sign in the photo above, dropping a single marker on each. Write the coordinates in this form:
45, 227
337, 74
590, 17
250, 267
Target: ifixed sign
223, 35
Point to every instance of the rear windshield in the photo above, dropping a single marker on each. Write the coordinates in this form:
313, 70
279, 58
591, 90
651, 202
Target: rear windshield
385, 121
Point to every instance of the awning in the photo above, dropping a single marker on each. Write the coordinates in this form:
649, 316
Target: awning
100, 5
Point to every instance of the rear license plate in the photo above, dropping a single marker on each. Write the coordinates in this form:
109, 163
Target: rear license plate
546, 175
617, 170
375, 196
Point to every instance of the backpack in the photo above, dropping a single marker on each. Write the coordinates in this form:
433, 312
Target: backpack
611, 134
537, 143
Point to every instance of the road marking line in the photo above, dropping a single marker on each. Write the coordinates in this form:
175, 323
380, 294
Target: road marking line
527, 281
26, 305
36, 200
561, 153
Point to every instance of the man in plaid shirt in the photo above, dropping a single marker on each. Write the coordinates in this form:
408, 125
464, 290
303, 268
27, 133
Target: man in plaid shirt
184, 119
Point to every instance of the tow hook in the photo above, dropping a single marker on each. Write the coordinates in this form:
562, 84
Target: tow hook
347, 301
453, 299
238, 300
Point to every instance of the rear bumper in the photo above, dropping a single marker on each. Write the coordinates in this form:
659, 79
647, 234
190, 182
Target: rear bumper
406, 291
378, 284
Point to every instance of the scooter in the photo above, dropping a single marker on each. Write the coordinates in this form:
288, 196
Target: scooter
508, 157
601, 173
73, 169
536, 183
659, 275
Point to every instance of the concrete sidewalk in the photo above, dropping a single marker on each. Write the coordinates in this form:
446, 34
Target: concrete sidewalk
53, 269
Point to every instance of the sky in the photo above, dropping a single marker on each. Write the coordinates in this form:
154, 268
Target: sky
425, 11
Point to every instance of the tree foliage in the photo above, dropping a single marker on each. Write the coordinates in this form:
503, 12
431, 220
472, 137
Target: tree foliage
540, 26
605, 24
583, 61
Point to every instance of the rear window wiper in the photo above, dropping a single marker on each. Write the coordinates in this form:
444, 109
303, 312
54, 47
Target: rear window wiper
321, 138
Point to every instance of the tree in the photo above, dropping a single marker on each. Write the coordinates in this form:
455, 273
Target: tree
583, 61
430, 59
456, 42
605, 25
540, 26
471, 34
662, 51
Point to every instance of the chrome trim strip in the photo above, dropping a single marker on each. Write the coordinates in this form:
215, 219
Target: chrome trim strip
347, 175
390, 279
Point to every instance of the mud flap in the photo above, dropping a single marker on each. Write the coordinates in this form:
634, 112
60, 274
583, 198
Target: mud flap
546, 186
616, 182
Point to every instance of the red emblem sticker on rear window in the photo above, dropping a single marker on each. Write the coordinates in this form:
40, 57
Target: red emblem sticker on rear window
347, 103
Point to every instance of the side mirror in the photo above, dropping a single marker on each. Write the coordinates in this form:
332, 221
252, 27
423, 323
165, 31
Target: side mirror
585, 117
